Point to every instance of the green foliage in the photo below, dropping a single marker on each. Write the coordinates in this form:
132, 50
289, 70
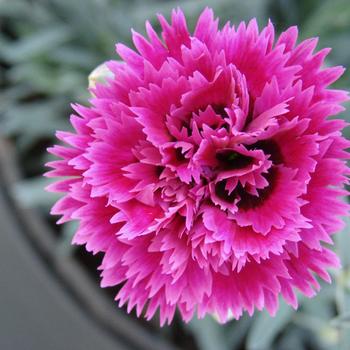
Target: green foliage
47, 50
209, 334
261, 337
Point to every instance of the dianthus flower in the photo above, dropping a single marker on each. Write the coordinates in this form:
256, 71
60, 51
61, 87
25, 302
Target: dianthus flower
207, 171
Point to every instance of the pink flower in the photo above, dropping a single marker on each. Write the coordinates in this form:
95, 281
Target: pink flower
207, 170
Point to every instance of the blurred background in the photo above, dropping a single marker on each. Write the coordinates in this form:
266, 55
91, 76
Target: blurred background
49, 290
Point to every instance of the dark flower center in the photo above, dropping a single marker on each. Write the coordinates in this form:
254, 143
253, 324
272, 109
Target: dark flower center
179, 155
159, 170
229, 159
247, 200
269, 147
219, 110
223, 194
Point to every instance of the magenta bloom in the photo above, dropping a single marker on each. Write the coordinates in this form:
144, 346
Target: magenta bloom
207, 171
